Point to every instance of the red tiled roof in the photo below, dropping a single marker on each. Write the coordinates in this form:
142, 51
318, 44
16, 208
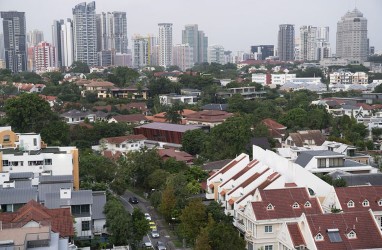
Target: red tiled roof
269, 180
364, 106
60, 219
112, 155
300, 137
99, 84
290, 184
130, 118
295, 234
362, 223
282, 201
358, 194
120, 139
270, 123
227, 167
178, 155
209, 116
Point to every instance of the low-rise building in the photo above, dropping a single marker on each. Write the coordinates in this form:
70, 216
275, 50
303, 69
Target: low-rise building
178, 155
304, 138
170, 99
134, 119
122, 144
249, 93
209, 118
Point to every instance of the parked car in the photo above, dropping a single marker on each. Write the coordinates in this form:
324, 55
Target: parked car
161, 246
147, 216
155, 234
133, 200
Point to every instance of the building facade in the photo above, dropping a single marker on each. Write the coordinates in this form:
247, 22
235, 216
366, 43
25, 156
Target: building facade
85, 33
286, 42
183, 56
15, 40
261, 52
165, 44
143, 50
352, 37
197, 40
216, 54
44, 56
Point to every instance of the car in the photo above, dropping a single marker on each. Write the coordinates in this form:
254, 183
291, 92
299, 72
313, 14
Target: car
147, 244
153, 226
155, 234
161, 245
133, 200
147, 216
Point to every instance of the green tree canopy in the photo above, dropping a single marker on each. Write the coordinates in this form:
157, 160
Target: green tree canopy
192, 141
79, 67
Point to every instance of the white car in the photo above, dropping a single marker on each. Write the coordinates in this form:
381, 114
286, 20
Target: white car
147, 216
155, 234
147, 244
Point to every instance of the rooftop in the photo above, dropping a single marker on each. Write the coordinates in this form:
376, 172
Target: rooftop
169, 127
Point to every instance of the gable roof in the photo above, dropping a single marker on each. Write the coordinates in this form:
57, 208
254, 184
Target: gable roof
99, 202
374, 179
120, 139
358, 194
17, 195
306, 156
169, 127
300, 137
227, 167
283, 200
272, 124
362, 223
60, 219
209, 166
209, 116
296, 235
177, 155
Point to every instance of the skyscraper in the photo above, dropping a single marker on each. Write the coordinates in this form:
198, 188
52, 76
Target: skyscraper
286, 42
216, 54
352, 37
1, 46
14, 40
56, 41
112, 32
66, 44
197, 40
85, 33
142, 50
183, 56
308, 43
262, 51
165, 44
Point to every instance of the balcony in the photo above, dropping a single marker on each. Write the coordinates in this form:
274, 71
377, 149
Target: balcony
239, 224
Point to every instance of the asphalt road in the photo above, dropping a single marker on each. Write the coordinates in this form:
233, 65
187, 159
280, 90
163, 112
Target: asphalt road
145, 207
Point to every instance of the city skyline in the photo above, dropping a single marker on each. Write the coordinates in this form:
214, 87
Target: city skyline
258, 21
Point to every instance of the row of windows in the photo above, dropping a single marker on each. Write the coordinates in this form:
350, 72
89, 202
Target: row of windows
365, 203
7, 163
295, 205
124, 145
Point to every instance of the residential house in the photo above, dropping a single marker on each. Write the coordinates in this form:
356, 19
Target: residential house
29, 87
131, 92
276, 130
161, 117
52, 100
102, 88
134, 107
122, 144
194, 92
12, 198
134, 119
304, 138
170, 99
326, 161
75, 116
372, 179
35, 226
178, 155
248, 93
209, 118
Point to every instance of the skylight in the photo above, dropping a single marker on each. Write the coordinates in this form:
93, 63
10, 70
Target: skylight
334, 235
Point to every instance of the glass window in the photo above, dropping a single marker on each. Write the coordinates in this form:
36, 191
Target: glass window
85, 225
268, 247
351, 203
365, 203
296, 205
321, 163
319, 237
268, 229
270, 207
48, 162
34, 141
6, 138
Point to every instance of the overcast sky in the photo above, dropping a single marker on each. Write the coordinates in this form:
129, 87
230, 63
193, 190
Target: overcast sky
235, 24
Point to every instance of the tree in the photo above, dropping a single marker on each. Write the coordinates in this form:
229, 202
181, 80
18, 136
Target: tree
157, 179
53, 77
28, 113
229, 138
139, 227
121, 76
168, 202
296, 117
193, 219
216, 211
174, 113
96, 168
79, 67
223, 236
117, 222
192, 141
261, 130
56, 133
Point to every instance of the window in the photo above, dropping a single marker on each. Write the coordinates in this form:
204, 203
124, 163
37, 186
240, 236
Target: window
351, 203
336, 162
296, 205
334, 235
117, 145
270, 206
307, 204
319, 237
365, 203
352, 235
380, 202
268, 229
321, 163
6, 138
34, 141
6, 163
268, 247
47, 161
85, 225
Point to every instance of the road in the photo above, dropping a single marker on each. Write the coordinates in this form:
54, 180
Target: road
146, 207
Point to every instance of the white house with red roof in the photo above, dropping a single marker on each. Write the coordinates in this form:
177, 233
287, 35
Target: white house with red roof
122, 144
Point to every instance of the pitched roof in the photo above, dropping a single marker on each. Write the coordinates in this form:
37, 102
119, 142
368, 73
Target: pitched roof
270, 123
359, 194
306, 156
169, 127
209, 116
177, 155
227, 167
209, 166
99, 84
300, 137
296, 235
60, 219
17, 195
99, 202
374, 179
80, 197
136, 118
214, 106
282, 201
368, 235
120, 139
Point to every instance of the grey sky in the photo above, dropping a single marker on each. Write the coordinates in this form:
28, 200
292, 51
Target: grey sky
235, 24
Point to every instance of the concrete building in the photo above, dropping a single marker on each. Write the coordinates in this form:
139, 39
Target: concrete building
15, 40
57, 41
85, 33
281, 79
216, 54
65, 49
44, 56
183, 56
352, 37
196, 40
286, 42
261, 52
170, 99
143, 50
34, 37
165, 44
